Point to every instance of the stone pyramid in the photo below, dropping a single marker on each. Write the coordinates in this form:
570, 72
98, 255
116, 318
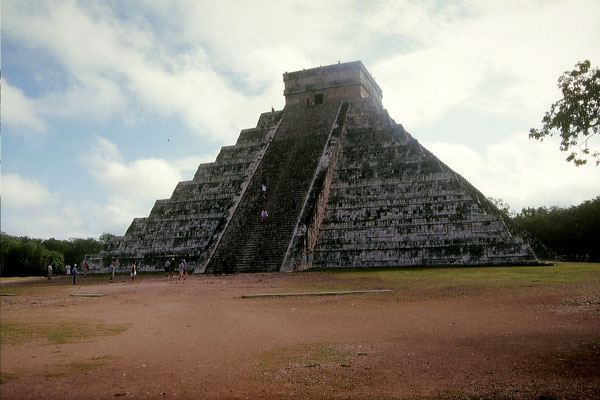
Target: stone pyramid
346, 187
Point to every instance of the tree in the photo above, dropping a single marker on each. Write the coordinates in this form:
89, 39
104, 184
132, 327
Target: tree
23, 256
57, 261
502, 206
74, 249
571, 232
56, 245
576, 117
78, 248
106, 237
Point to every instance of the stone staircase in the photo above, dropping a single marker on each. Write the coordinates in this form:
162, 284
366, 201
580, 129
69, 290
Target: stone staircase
251, 244
187, 224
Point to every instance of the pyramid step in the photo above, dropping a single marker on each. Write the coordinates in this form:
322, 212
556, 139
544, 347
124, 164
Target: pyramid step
300, 141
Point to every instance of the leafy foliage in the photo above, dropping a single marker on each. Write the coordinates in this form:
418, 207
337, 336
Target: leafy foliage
572, 233
57, 260
105, 238
576, 117
501, 206
24, 256
73, 249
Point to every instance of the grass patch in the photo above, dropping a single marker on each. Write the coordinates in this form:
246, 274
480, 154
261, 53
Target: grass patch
412, 284
80, 366
13, 333
308, 369
91, 364
20, 278
65, 332
447, 395
7, 376
463, 277
10, 290
57, 374
13, 290
110, 330
305, 356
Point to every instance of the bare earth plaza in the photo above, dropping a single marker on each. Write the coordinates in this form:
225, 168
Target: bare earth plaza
330, 256
448, 333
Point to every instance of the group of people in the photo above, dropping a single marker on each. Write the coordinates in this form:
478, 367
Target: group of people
171, 266
264, 214
69, 271
112, 268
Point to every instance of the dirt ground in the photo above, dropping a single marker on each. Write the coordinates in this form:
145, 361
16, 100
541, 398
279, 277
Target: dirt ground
199, 339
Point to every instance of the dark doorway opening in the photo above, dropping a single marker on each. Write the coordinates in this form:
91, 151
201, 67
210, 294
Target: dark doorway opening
318, 98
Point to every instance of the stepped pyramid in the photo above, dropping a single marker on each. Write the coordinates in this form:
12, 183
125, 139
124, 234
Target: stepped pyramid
346, 187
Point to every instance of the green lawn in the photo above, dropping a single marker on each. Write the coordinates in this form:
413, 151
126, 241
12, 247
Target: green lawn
473, 278
55, 332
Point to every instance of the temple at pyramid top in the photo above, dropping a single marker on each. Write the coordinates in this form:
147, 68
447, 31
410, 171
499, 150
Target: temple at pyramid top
342, 81
330, 181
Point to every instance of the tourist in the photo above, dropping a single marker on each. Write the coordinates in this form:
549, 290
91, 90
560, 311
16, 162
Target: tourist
85, 269
185, 268
68, 269
111, 271
264, 215
173, 266
133, 272
224, 266
180, 270
167, 267
49, 271
74, 272
264, 190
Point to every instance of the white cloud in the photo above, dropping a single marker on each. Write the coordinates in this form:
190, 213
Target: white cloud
501, 59
522, 172
130, 189
19, 111
92, 96
29, 208
188, 166
421, 22
204, 59
61, 219
132, 186
22, 193
229, 29
147, 178
114, 65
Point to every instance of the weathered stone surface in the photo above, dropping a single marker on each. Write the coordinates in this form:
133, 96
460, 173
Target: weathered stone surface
347, 187
188, 224
330, 83
393, 203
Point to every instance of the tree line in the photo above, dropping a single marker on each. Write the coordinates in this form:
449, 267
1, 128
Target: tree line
571, 234
24, 256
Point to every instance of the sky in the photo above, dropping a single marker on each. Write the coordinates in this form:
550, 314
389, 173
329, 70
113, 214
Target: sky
106, 105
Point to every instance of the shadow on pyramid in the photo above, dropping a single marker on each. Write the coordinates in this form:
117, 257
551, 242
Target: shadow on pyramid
330, 181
